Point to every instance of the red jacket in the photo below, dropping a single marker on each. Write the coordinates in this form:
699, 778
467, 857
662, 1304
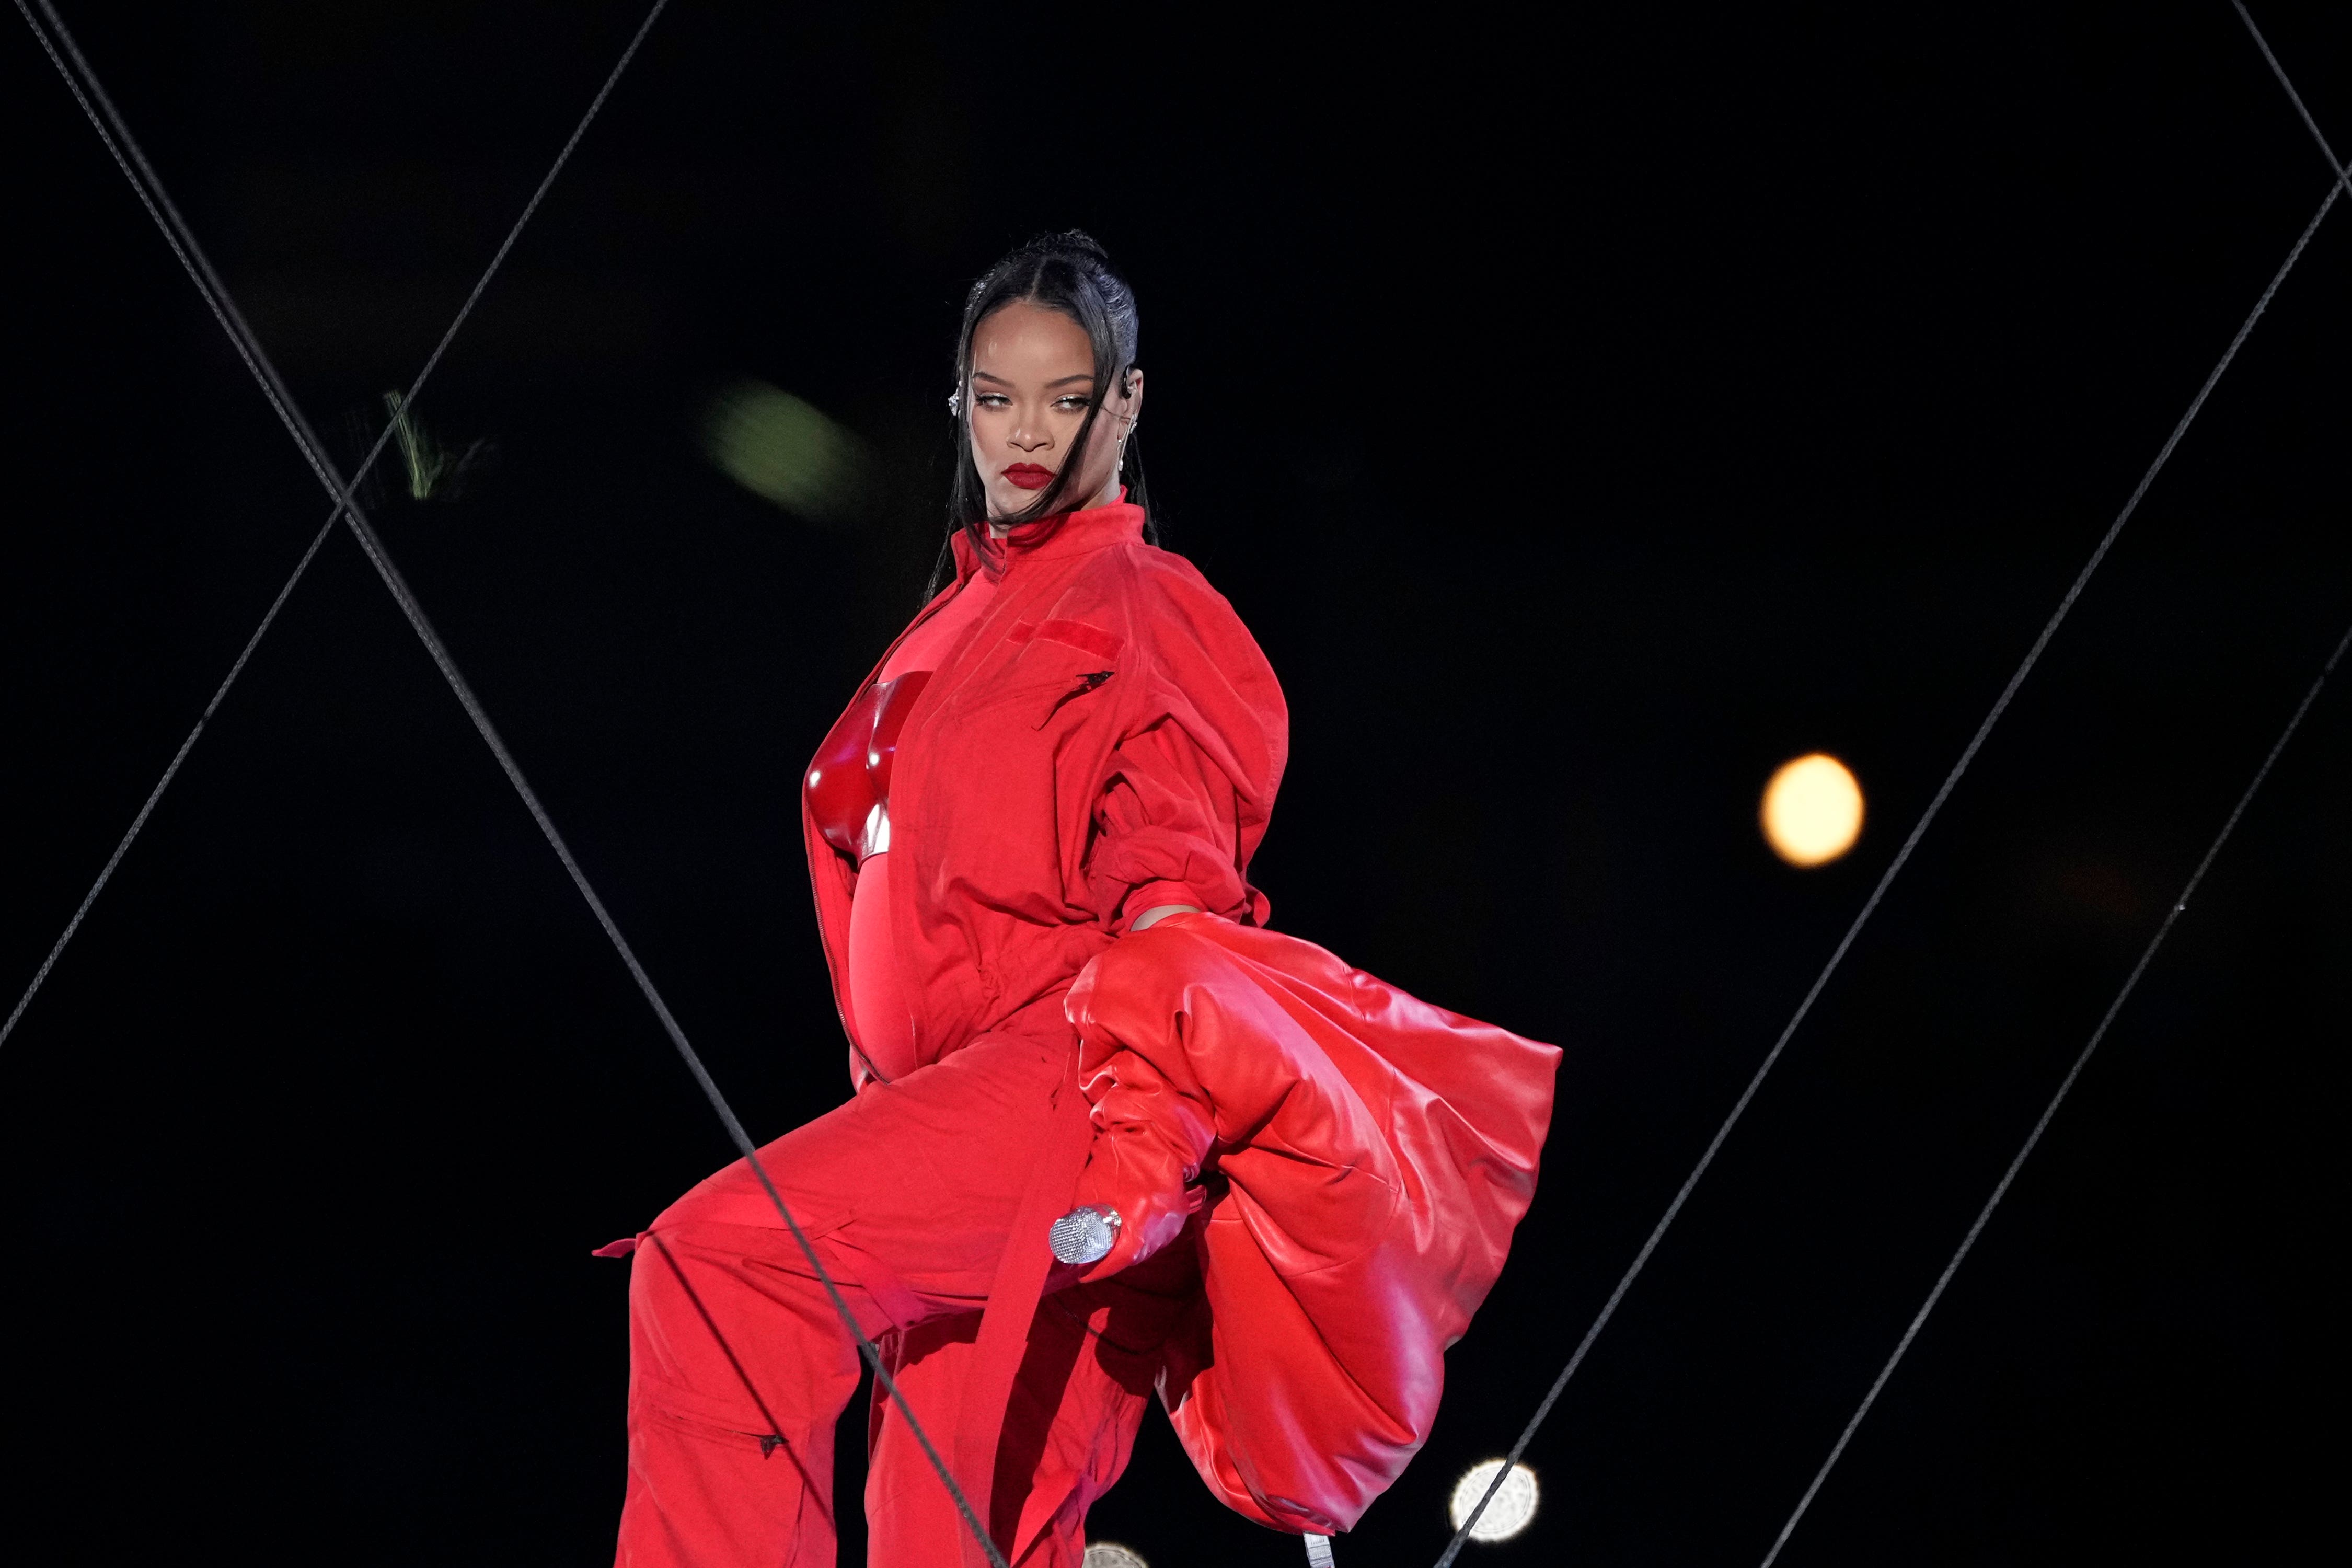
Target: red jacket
1108, 739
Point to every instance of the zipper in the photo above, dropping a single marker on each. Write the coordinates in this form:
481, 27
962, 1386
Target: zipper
1087, 682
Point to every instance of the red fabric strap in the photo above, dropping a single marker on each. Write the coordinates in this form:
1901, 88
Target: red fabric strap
1012, 1301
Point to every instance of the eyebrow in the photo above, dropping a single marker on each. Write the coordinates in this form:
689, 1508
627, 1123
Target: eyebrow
983, 375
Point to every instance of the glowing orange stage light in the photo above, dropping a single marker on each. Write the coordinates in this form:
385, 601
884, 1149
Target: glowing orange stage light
1812, 810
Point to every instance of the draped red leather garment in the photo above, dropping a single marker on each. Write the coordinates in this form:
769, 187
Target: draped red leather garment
1374, 1155
1108, 739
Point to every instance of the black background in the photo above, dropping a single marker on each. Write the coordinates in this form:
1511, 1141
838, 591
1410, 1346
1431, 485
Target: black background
1587, 414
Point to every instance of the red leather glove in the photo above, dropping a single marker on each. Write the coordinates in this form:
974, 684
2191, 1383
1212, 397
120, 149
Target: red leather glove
1144, 1169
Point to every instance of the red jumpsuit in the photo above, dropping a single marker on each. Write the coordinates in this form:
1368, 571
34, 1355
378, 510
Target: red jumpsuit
1100, 737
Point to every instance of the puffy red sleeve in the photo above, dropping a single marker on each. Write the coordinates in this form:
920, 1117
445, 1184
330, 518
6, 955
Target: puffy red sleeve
1373, 1155
1189, 787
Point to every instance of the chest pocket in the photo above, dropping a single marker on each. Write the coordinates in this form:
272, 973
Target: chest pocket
1059, 663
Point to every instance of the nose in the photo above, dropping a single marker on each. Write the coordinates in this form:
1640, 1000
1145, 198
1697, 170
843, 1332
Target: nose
1028, 440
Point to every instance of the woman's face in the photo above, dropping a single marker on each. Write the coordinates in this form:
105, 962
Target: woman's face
1033, 371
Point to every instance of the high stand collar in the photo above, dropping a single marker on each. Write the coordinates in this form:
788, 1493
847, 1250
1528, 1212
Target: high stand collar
1051, 538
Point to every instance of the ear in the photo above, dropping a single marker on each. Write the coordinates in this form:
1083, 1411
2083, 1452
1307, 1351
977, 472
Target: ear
1131, 395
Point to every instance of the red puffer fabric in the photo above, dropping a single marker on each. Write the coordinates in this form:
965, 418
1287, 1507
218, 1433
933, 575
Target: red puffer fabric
1368, 1156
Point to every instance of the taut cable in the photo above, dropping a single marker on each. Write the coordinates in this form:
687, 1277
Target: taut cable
124, 147
2065, 1085
2131, 981
1902, 857
2293, 97
82, 82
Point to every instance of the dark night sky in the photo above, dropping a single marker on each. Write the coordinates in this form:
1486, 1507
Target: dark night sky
1587, 415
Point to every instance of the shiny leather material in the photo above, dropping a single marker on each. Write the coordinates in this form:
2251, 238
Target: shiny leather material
848, 784
1369, 1156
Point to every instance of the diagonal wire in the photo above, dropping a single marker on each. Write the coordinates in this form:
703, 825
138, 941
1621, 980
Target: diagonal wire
269, 618
2293, 96
83, 83
147, 807
133, 163
2179, 906
2065, 1085
1895, 867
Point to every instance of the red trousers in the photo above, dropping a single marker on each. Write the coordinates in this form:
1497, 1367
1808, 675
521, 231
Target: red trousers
739, 1364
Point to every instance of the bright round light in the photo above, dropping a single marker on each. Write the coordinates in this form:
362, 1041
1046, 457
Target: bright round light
1812, 810
1514, 1504
1111, 1554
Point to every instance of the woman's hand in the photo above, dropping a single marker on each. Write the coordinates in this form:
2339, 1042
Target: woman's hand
1143, 1167
1134, 1198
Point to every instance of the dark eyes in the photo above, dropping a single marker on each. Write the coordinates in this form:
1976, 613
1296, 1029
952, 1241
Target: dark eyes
1075, 403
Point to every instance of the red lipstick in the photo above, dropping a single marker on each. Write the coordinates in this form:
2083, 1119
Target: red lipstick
1029, 476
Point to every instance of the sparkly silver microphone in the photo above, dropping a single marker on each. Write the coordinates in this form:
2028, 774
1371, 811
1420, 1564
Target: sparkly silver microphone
1084, 1235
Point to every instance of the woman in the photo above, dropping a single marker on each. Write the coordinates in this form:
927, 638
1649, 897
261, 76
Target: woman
1075, 745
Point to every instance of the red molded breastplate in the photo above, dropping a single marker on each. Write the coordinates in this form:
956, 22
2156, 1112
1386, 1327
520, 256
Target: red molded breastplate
849, 786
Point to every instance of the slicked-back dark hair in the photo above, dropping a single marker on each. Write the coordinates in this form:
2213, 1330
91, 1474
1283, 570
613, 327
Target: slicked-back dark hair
1067, 272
